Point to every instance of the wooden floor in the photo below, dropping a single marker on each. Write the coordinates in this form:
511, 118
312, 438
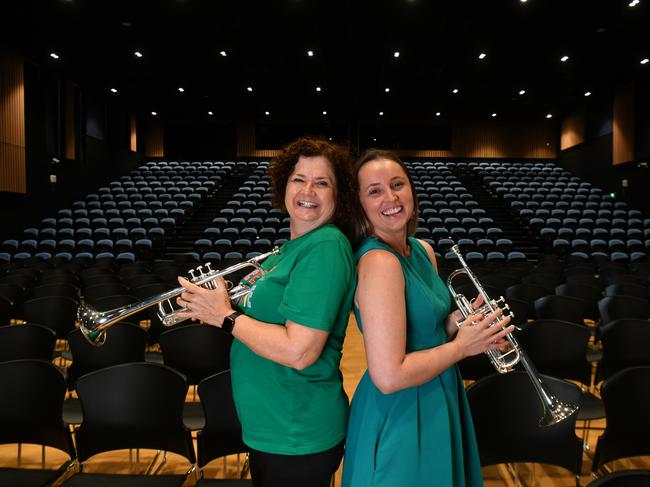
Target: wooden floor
352, 366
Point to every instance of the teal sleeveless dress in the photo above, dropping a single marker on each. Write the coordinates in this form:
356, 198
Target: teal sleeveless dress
423, 435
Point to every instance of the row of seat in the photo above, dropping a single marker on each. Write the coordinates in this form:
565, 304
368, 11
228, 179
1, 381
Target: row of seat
146, 414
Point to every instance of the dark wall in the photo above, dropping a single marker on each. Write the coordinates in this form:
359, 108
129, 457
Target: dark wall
200, 140
102, 150
592, 160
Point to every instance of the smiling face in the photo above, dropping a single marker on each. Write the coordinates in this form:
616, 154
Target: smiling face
387, 199
310, 195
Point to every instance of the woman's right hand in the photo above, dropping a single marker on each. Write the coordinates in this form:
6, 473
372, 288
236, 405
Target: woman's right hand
477, 335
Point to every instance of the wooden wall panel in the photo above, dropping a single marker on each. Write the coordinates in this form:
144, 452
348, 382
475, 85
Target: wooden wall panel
154, 139
69, 132
623, 126
246, 141
12, 123
573, 131
133, 132
470, 139
497, 140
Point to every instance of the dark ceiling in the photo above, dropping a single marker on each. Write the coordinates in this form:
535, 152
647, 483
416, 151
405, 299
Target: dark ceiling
353, 42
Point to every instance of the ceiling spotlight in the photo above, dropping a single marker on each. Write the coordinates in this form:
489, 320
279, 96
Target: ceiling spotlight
374, 139
482, 55
113, 90
523, 1
564, 59
396, 54
645, 61
633, 3
249, 88
587, 93
387, 90
522, 92
154, 113
267, 113
454, 91
310, 53
210, 113
381, 114
318, 88
438, 114
494, 115
549, 115
54, 55
223, 53
137, 54
181, 89
324, 112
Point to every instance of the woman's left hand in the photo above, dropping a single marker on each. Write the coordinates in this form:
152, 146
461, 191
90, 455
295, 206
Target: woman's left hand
457, 316
209, 306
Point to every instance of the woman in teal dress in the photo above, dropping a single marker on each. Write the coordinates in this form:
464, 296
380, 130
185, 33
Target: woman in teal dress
410, 423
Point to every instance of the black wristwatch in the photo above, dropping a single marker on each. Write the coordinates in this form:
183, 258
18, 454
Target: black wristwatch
229, 321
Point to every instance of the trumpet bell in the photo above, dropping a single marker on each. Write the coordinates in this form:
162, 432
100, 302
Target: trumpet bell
556, 412
89, 319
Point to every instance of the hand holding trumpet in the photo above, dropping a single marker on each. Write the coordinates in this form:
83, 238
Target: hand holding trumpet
209, 306
477, 334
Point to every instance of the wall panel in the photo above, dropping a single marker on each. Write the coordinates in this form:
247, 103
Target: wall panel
573, 131
623, 126
12, 123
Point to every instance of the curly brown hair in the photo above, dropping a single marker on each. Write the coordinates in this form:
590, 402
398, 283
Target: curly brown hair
283, 164
361, 226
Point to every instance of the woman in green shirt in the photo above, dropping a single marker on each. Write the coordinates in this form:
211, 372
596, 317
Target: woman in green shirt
285, 357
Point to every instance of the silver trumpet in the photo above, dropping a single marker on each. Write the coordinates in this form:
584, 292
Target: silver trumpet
93, 324
554, 409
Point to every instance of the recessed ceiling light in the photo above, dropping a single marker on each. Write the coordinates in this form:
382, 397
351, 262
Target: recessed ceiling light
374, 139
330, 138
522, 92
645, 60
113, 90
310, 53
523, 1
381, 114
454, 91
223, 53
137, 54
267, 113
587, 93
318, 88
494, 115
564, 59
324, 112
154, 113
387, 90
181, 89
633, 3
549, 115
210, 113
438, 114
396, 54
482, 55
249, 88
54, 55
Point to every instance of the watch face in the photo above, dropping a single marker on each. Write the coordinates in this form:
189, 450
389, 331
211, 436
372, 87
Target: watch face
229, 322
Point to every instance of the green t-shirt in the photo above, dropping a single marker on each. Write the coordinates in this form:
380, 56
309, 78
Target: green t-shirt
283, 410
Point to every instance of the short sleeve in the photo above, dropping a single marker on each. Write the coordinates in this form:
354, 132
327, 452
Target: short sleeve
318, 285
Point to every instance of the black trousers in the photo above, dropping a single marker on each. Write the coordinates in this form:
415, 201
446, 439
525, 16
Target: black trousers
312, 470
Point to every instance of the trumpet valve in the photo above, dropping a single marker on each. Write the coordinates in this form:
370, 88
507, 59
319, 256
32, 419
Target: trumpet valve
207, 265
193, 277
